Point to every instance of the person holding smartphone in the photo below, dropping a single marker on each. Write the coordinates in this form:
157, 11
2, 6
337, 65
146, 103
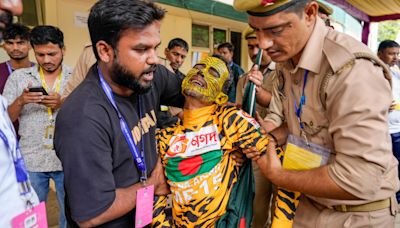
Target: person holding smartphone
34, 97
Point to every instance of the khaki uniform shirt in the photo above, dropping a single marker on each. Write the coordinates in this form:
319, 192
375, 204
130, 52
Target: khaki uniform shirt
267, 85
354, 123
85, 61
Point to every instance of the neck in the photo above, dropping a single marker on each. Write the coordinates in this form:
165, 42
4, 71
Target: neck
53, 74
117, 89
192, 103
296, 59
20, 63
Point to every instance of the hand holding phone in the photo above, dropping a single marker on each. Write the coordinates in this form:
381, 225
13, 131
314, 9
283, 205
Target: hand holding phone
38, 89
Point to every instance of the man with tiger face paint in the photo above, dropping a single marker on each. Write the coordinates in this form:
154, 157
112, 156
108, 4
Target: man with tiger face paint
206, 81
197, 153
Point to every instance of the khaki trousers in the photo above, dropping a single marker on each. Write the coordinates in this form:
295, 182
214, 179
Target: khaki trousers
311, 215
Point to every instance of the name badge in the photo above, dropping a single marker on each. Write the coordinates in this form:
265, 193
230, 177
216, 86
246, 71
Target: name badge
49, 136
302, 155
144, 206
32, 218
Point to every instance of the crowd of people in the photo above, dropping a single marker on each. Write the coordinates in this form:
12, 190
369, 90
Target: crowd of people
132, 141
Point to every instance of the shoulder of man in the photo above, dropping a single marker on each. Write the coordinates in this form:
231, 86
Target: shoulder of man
341, 49
66, 70
25, 71
237, 68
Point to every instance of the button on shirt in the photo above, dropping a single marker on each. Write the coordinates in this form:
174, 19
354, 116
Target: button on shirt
34, 119
353, 125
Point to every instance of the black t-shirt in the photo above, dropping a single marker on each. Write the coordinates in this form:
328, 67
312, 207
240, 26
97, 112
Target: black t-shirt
91, 146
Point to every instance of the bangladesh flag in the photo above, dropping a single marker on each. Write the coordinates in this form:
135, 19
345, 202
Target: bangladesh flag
182, 169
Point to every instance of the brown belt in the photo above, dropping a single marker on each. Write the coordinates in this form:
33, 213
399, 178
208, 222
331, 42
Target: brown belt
373, 206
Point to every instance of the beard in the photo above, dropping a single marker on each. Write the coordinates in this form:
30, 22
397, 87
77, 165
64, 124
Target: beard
50, 67
123, 77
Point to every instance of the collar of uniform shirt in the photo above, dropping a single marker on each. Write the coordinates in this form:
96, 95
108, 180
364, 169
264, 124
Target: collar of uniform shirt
312, 55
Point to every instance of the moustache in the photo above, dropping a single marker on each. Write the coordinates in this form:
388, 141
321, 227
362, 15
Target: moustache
152, 68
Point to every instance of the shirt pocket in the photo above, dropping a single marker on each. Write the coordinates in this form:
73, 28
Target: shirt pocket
316, 125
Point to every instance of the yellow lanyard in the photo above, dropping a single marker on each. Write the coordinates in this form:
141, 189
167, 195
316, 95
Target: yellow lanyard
58, 85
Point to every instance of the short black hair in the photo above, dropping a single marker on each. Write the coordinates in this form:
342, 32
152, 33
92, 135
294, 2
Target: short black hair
228, 82
108, 19
44, 34
178, 42
228, 45
387, 44
16, 30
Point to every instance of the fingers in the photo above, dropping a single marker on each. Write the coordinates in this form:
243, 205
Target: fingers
252, 153
238, 157
255, 76
239, 160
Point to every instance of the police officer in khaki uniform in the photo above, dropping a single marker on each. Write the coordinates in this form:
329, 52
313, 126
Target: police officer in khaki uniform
335, 96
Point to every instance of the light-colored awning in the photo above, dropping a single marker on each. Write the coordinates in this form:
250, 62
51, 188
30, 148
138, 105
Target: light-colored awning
377, 7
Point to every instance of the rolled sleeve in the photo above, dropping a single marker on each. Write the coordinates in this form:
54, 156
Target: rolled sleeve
357, 107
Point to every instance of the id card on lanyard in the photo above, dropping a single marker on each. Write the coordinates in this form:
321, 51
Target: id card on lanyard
300, 154
34, 215
145, 195
50, 127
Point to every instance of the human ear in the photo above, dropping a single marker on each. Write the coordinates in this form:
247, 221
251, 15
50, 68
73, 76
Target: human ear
105, 51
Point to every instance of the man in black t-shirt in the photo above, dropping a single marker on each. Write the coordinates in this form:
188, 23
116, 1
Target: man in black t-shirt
101, 176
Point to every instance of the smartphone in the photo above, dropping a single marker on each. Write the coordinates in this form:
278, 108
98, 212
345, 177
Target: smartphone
38, 89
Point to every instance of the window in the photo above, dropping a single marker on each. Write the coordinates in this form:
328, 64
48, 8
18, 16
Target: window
219, 37
32, 14
200, 36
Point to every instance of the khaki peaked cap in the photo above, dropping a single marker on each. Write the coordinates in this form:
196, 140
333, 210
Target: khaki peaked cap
262, 8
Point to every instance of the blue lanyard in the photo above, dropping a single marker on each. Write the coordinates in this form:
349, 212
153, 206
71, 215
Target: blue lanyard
19, 165
139, 159
302, 101
10, 69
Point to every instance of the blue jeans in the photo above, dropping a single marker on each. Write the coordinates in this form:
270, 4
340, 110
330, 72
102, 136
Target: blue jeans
40, 182
396, 153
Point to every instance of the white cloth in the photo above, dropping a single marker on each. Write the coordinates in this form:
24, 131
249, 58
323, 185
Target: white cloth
394, 116
11, 202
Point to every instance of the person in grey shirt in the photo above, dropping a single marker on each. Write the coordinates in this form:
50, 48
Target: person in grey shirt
36, 111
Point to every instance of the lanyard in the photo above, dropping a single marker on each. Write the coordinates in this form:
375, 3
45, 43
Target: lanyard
139, 159
9, 68
302, 101
19, 165
58, 85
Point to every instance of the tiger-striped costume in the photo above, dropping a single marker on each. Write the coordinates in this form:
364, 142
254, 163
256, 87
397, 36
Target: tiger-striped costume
201, 171
198, 161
